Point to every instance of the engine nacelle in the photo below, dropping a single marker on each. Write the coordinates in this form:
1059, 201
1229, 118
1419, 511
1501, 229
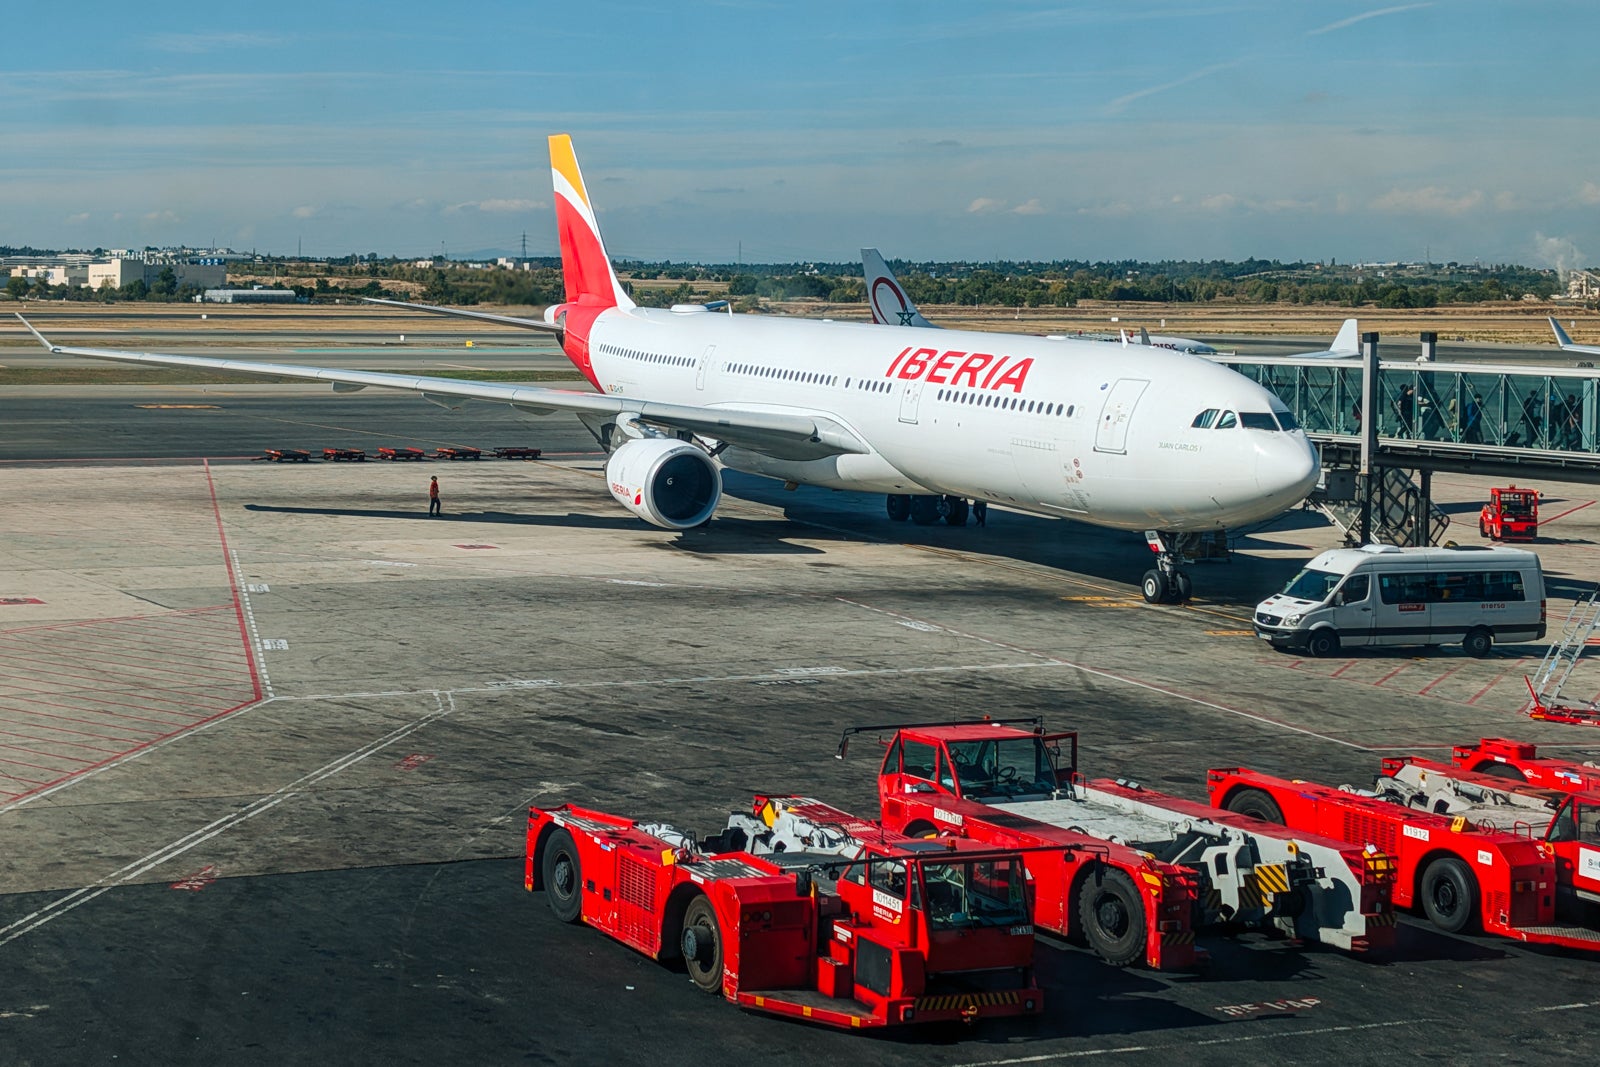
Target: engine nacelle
666, 482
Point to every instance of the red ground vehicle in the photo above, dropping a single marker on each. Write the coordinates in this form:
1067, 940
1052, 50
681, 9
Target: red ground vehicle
458, 452
1135, 870
386, 452
353, 455
285, 455
517, 452
1520, 761
802, 910
1461, 873
1511, 514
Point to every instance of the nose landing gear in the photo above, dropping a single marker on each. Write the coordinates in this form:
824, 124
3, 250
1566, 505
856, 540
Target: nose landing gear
1168, 582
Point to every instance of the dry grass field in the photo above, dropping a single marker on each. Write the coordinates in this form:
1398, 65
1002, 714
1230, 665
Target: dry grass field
1509, 323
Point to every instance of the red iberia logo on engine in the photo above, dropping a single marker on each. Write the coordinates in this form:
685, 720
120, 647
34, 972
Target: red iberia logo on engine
975, 370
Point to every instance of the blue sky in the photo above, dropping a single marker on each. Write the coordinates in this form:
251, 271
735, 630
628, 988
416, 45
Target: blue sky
1467, 129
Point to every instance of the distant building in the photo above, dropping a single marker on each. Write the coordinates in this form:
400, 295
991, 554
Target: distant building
249, 296
199, 271
63, 275
1583, 285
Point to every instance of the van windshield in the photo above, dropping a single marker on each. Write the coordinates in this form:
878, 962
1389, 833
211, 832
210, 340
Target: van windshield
1312, 584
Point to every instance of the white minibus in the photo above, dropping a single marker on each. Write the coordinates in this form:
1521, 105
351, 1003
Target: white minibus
1383, 595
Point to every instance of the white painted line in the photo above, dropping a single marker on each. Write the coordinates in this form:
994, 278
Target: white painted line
1276, 1035
261, 588
274, 644
250, 623
173, 849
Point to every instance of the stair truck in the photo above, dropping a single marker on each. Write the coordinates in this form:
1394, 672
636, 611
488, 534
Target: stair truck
1159, 866
1475, 863
798, 909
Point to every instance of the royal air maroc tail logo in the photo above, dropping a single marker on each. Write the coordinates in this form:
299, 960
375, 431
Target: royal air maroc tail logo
889, 304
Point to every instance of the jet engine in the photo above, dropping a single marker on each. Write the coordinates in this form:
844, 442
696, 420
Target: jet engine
666, 482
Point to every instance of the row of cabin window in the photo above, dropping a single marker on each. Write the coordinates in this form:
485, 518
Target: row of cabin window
648, 357
1010, 403
1450, 587
1216, 419
809, 377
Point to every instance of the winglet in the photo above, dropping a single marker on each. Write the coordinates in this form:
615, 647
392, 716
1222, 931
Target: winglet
889, 303
1349, 339
1561, 335
48, 346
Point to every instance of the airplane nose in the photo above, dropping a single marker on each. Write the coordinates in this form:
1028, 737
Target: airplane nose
1287, 469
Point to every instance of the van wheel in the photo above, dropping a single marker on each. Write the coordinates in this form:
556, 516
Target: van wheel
1478, 642
1322, 644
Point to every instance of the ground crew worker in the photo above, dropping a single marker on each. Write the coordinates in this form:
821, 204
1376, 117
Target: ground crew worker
433, 497
980, 512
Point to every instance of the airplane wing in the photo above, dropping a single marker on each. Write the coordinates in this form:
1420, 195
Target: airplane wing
889, 303
481, 316
782, 435
1566, 342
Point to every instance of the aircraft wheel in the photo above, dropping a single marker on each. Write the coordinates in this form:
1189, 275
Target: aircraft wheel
1155, 587
955, 511
899, 506
925, 510
702, 945
1182, 588
562, 874
1449, 894
1112, 916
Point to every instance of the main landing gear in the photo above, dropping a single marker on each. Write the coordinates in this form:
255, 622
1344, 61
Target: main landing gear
927, 510
1168, 583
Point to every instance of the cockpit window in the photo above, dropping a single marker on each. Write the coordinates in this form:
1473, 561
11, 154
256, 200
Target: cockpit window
1204, 420
1258, 420
1287, 420
1228, 421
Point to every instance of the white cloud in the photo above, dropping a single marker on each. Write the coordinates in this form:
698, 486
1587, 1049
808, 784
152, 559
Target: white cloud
161, 216
1032, 207
1430, 200
1505, 200
305, 211
196, 43
1219, 202
1589, 194
493, 206
78, 219
985, 206
1123, 101
1353, 19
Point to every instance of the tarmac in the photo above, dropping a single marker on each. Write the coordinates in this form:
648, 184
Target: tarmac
268, 734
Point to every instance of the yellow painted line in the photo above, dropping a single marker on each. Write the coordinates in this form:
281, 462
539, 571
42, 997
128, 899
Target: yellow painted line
1230, 633
180, 407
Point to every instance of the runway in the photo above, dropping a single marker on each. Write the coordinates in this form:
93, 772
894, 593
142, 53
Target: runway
307, 720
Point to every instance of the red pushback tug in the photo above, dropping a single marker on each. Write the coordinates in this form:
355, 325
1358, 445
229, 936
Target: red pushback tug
1470, 852
1132, 870
802, 910
1519, 761
1511, 514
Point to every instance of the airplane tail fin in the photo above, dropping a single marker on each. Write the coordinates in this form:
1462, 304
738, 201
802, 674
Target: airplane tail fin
889, 302
1349, 340
585, 268
1561, 335
1144, 337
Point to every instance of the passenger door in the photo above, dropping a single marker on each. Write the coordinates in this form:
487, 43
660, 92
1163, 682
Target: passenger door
1112, 433
1353, 614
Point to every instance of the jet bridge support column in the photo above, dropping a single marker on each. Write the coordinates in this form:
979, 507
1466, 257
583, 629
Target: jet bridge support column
1369, 427
1421, 528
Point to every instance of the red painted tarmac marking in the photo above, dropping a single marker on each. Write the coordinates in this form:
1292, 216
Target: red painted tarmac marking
1496, 680
119, 715
1425, 689
131, 660
63, 729
1546, 522
34, 766
1391, 674
14, 601
197, 881
54, 741
233, 589
1348, 664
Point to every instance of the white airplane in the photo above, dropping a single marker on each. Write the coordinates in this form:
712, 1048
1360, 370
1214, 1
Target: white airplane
1566, 342
891, 306
1155, 441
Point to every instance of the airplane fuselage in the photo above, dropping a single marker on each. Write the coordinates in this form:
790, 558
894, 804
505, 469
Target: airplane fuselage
1055, 427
